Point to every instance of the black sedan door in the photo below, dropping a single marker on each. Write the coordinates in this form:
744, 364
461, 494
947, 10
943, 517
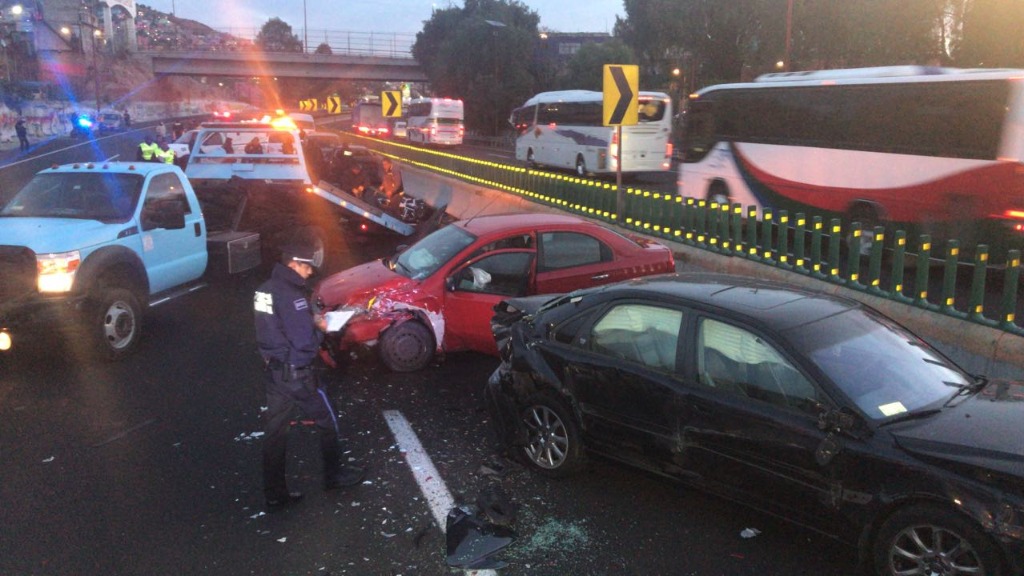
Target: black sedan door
623, 375
754, 432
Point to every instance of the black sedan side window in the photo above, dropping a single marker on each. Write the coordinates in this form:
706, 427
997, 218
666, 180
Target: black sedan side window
639, 333
740, 362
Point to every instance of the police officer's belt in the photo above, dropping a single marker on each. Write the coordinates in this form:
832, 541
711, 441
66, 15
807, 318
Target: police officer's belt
274, 364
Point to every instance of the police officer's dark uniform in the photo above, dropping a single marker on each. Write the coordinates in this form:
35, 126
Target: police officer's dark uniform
289, 342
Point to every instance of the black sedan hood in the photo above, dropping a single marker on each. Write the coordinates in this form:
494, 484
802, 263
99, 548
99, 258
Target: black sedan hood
983, 430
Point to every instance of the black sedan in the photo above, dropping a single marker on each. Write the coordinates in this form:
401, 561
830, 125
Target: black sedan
811, 407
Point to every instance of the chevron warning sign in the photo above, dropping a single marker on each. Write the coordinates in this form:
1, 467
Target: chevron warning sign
621, 87
391, 103
334, 104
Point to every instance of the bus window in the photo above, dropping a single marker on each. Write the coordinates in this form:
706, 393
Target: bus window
651, 111
698, 130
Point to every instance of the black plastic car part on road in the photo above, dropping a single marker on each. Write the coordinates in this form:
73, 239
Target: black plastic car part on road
811, 407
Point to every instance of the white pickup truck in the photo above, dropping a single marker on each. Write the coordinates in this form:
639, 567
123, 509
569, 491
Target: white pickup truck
86, 247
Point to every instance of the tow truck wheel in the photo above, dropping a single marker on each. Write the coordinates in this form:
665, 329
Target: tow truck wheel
115, 323
407, 347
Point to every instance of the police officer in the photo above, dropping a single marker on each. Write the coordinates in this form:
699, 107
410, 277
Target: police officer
147, 149
288, 336
22, 132
164, 153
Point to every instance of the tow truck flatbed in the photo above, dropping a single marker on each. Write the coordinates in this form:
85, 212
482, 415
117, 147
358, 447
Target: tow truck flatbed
362, 208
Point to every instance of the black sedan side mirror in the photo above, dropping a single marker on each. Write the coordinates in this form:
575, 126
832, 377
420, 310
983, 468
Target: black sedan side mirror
833, 420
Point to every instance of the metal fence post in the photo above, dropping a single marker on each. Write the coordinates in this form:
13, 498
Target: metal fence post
766, 233
949, 277
899, 251
875, 260
924, 255
752, 233
799, 237
976, 304
1011, 279
835, 229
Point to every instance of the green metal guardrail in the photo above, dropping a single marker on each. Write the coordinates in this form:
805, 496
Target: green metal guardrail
777, 239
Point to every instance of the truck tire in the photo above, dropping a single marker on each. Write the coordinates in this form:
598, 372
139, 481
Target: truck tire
114, 323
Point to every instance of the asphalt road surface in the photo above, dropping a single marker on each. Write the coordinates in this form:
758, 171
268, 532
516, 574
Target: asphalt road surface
151, 466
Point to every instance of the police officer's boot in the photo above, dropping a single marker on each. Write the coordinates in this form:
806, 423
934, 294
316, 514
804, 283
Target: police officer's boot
336, 474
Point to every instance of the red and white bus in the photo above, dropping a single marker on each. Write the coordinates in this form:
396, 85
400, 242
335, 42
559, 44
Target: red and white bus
933, 150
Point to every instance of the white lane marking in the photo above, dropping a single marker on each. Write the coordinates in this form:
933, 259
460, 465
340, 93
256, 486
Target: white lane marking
423, 470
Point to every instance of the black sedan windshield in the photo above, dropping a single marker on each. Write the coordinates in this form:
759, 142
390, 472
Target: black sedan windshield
880, 367
428, 255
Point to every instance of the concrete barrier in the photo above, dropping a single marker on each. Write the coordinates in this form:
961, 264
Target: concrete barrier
976, 348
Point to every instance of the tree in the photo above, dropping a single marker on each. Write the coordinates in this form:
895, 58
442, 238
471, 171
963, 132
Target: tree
738, 39
657, 31
991, 35
324, 48
585, 71
483, 53
276, 36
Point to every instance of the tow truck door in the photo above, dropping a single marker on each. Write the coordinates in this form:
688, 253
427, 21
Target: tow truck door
173, 256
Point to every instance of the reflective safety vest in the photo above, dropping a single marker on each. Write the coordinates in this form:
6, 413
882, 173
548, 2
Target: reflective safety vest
166, 155
148, 151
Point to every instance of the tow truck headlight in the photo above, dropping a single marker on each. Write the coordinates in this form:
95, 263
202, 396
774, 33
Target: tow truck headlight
57, 271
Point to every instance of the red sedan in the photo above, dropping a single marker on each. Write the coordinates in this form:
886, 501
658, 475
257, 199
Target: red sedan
439, 294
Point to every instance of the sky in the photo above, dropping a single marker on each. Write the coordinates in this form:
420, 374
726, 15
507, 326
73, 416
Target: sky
390, 16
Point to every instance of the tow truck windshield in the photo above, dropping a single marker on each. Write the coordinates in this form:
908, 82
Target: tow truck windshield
103, 196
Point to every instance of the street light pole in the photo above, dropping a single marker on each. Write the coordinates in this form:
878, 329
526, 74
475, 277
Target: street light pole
96, 36
789, 34
305, 29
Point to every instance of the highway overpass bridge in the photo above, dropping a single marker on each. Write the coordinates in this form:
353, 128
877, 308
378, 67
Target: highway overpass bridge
285, 65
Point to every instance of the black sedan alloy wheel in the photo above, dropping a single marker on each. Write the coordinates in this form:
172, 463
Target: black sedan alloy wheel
932, 541
553, 444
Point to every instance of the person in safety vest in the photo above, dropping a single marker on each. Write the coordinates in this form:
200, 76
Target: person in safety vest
164, 153
147, 149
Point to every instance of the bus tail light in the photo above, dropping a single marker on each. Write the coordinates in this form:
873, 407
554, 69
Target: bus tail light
668, 150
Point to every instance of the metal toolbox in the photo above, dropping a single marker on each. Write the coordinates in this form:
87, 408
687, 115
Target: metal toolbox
233, 251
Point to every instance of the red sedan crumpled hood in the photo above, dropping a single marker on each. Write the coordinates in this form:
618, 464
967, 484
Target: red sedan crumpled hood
358, 284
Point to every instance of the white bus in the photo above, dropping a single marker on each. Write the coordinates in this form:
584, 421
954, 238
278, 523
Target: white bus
564, 129
435, 121
933, 150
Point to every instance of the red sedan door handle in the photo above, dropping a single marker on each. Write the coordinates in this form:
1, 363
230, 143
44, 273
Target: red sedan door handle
600, 277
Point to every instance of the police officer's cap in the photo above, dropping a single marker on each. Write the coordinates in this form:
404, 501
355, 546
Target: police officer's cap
298, 253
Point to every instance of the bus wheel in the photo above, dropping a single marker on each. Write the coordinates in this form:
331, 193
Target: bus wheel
718, 193
581, 166
530, 162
